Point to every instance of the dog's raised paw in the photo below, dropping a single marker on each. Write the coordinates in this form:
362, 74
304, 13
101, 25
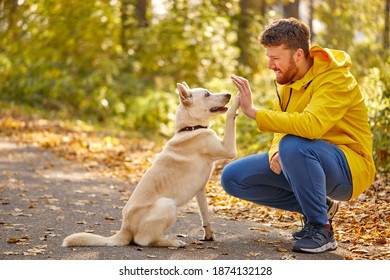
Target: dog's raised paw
235, 105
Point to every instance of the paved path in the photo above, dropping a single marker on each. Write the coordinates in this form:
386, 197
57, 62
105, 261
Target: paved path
44, 198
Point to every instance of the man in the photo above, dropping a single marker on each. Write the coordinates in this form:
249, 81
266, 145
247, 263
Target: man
322, 147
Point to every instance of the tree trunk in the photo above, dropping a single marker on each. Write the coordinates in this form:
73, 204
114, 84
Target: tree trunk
7, 13
386, 33
248, 9
133, 15
124, 22
291, 9
141, 13
311, 17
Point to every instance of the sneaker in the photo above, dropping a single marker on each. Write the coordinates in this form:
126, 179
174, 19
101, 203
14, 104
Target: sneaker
333, 207
301, 233
318, 239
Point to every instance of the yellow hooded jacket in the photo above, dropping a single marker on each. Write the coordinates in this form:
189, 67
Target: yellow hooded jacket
325, 104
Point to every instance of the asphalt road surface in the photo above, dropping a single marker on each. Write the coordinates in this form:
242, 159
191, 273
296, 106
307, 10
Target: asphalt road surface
44, 198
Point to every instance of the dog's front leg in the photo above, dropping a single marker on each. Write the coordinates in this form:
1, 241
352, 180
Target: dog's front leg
204, 214
229, 139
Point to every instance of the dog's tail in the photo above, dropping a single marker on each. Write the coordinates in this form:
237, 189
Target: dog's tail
88, 239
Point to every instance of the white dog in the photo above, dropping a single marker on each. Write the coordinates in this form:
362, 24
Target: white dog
178, 173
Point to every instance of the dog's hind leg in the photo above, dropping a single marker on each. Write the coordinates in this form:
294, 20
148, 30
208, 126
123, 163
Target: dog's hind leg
204, 214
156, 222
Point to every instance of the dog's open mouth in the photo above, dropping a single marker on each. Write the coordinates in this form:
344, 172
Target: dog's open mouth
218, 109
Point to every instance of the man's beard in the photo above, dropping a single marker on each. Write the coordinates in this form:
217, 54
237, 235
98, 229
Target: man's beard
288, 75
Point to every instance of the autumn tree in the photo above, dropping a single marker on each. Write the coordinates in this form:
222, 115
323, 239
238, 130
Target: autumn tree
110, 61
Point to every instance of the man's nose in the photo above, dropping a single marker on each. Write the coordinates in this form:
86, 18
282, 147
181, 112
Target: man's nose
271, 64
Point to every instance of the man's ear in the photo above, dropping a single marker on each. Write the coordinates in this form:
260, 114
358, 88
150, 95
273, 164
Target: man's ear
299, 54
184, 94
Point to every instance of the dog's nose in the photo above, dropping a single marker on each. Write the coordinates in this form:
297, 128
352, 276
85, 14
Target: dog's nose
228, 96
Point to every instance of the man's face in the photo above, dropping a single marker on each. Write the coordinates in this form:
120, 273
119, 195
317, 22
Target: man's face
281, 61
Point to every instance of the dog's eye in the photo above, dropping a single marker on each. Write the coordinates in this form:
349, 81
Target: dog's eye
207, 94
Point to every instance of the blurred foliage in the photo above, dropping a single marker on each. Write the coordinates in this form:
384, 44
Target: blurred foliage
376, 88
79, 59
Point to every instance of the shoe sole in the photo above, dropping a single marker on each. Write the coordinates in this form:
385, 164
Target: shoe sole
327, 247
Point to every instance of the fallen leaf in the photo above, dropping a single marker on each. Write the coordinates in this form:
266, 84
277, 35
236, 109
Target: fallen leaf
43, 238
18, 240
11, 253
20, 214
253, 254
282, 250
360, 251
13, 240
151, 256
261, 240
53, 207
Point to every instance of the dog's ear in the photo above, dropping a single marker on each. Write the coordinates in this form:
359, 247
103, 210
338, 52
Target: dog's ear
185, 84
184, 94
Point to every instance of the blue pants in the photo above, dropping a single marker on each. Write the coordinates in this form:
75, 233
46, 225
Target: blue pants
312, 170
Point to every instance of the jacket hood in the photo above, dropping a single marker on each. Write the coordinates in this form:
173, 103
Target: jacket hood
326, 59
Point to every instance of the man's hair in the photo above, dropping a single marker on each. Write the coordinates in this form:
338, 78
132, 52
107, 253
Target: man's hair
293, 33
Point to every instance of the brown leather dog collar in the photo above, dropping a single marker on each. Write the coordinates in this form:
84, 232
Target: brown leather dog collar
191, 128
